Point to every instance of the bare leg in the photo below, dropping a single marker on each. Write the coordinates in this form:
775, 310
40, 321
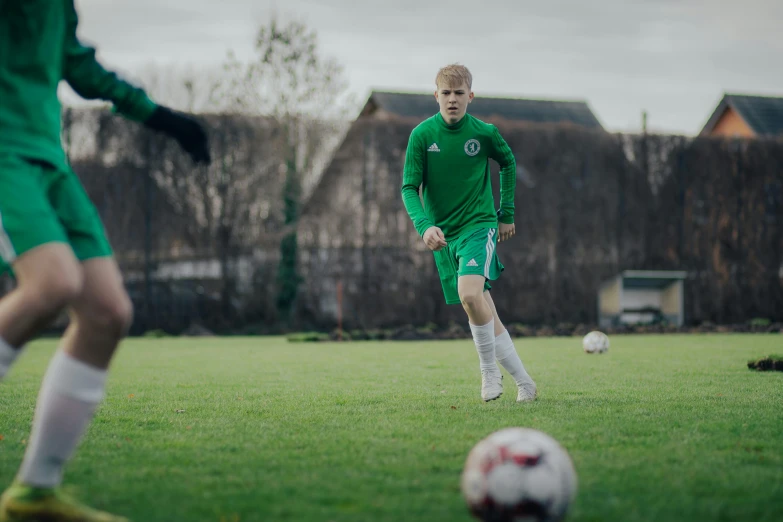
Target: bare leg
471, 289
74, 383
100, 317
499, 326
49, 278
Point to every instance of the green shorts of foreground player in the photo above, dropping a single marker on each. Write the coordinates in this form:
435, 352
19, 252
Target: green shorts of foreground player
41, 204
473, 253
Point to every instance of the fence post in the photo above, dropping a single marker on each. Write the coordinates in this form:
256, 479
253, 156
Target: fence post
339, 310
147, 246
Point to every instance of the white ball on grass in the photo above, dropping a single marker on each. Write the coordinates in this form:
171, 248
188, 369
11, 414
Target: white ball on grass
595, 342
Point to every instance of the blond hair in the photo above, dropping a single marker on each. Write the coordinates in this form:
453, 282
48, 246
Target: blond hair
454, 75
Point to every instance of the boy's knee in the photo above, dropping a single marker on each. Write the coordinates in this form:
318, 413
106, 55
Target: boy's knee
120, 315
112, 315
50, 278
54, 290
472, 298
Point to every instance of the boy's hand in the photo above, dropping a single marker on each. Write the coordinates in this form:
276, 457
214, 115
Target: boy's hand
505, 231
433, 237
188, 132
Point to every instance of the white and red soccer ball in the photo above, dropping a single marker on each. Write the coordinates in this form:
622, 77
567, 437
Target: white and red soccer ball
516, 475
595, 342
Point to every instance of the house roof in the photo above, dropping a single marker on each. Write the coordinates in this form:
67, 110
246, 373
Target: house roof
422, 106
763, 114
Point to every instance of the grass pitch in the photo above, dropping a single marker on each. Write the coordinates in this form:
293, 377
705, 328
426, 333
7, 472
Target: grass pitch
672, 428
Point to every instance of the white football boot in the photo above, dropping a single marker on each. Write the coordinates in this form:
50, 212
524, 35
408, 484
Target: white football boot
491, 384
527, 391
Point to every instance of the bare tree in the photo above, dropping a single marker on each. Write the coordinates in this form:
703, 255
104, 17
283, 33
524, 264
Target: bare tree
183, 86
306, 95
227, 205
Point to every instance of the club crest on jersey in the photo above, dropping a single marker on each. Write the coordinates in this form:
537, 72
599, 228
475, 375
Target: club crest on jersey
472, 147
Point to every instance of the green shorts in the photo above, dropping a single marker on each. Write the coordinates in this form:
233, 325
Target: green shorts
41, 203
473, 253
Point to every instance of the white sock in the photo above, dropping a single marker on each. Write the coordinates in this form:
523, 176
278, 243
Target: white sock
484, 337
509, 359
69, 395
7, 357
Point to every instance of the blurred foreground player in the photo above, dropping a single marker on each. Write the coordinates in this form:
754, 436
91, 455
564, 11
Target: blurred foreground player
53, 241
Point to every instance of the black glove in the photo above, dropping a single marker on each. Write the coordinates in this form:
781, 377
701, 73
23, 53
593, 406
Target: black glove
188, 132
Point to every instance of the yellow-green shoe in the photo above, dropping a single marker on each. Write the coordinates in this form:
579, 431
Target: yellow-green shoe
22, 503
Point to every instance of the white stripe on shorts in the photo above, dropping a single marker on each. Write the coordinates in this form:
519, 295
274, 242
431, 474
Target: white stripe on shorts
490, 251
7, 251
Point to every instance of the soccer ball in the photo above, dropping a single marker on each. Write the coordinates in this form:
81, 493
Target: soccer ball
595, 342
516, 475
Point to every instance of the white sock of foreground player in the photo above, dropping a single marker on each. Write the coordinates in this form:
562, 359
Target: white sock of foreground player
507, 356
484, 337
7, 357
69, 395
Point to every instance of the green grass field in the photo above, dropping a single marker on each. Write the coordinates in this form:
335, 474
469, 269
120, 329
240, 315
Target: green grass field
661, 428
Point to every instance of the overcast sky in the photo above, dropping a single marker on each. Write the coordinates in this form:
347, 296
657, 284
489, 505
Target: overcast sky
674, 58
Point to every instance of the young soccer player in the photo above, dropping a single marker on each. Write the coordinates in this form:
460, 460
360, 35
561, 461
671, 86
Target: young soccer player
448, 156
53, 240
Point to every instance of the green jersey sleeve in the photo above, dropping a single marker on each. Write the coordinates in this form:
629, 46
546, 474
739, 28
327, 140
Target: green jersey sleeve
91, 81
412, 176
501, 153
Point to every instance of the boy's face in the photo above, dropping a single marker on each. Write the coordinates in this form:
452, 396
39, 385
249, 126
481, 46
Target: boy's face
453, 101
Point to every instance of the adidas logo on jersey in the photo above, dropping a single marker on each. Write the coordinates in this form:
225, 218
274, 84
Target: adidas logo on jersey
433, 148
472, 262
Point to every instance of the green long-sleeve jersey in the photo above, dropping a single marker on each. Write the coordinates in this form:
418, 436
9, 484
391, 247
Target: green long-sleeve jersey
38, 49
451, 164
